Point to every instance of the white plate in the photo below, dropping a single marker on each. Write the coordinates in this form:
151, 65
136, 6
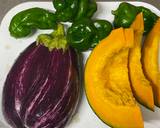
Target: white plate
10, 48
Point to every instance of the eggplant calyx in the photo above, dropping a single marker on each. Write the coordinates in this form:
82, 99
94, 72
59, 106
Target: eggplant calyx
54, 40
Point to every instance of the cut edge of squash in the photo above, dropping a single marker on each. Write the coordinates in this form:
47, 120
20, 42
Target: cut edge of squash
150, 60
101, 111
139, 82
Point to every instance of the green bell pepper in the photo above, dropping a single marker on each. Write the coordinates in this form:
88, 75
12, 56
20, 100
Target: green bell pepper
72, 10
24, 22
65, 9
82, 9
64, 15
85, 33
91, 9
59, 4
80, 34
104, 28
86, 9
126, 13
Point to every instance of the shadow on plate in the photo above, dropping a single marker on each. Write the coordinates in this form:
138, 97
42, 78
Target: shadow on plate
149, 115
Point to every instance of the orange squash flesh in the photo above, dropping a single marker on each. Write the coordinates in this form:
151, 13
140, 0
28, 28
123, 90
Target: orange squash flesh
150, 60
141, 87
107, 84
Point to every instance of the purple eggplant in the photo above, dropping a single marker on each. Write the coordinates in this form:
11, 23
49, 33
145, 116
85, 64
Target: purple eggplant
42, 88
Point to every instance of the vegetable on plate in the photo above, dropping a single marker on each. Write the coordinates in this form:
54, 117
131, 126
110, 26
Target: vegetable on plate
149, 18
107, 84
74, 10
83, 34
139, 82
82, 9
80, 34
66, 11
91, 9
23, 23
126, 14
42, 88
104, 28
86, 33
150, 62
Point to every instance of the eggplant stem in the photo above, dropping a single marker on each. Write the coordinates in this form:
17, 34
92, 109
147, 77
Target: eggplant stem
59, 31
54, 40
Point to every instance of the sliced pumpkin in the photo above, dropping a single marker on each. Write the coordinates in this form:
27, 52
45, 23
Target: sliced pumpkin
107, 83
141, 87
150, 60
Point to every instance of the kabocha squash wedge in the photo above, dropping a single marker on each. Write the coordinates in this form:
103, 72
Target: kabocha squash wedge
141, 87
150, 60
107, 82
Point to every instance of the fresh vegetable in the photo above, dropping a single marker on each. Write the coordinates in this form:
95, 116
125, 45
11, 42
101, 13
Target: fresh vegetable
86, 9
23, 23
42, 88
68, 12
80, 34
150, 60
150, 18
138, 80
59, 4
85, 33
107, 83
91, 9
74, 10
104, 28
82, 9
126, 13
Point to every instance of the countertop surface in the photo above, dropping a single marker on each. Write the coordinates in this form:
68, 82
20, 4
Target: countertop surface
6, 5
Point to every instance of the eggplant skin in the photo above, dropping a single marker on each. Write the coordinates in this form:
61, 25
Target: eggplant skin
42, 88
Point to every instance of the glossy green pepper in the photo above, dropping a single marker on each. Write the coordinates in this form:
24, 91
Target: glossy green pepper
80, 34
23, 23
82, 9
70, 2
67, 11
85, 33
72, 10
91, 9
124, 15
59, 4
65, 15
104, 28
149, 18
